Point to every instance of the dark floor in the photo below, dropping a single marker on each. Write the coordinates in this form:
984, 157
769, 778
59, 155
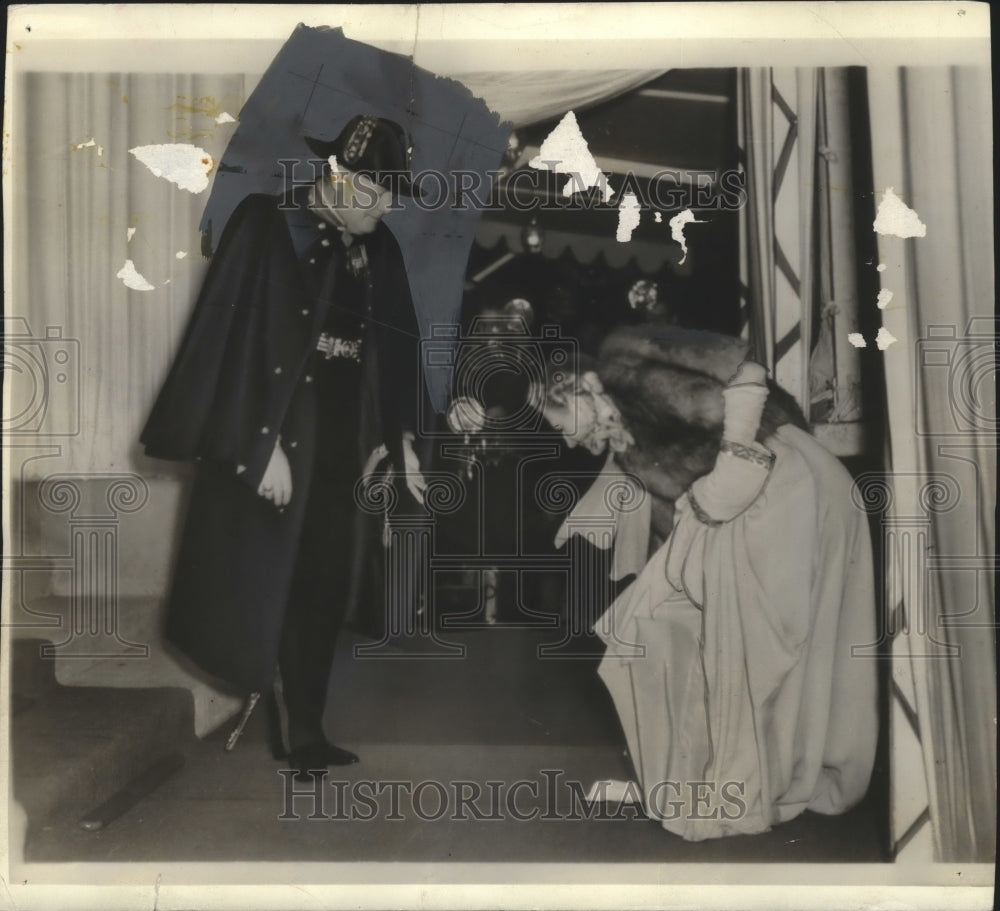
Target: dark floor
497, 715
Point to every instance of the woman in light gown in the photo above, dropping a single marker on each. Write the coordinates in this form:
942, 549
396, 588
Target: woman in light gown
729, 658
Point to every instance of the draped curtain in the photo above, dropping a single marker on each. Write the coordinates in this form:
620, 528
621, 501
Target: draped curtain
79, 197
932, 143
523, 98
79, 194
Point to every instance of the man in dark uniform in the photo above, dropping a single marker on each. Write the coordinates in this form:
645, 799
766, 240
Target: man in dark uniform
299, 366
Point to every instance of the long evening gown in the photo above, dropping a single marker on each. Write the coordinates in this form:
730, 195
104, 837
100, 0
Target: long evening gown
746, 705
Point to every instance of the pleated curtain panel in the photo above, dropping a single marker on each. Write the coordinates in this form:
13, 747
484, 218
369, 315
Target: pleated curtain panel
932, 144
84, 206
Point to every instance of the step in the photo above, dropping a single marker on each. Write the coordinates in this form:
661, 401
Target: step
76, 747
32, 675
140, 658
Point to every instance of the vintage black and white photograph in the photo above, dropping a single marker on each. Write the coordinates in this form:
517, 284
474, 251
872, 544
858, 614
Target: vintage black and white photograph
524, 455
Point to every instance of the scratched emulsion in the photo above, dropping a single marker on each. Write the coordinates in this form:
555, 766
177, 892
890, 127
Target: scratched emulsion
89, 144
884, 339
131, 277
181, 163
629, 212
565, 151
896, 218
677, 225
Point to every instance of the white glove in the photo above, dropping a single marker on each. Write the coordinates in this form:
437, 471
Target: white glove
377, 454
276, 485
745, 397
415, 482
739, 474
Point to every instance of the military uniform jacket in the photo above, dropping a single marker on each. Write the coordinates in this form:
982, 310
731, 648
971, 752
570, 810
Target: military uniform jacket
254, 327
241, 377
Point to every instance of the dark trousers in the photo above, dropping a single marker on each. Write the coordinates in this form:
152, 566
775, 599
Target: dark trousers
322, 577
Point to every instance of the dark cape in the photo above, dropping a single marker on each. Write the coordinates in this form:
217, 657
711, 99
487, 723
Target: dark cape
242, 375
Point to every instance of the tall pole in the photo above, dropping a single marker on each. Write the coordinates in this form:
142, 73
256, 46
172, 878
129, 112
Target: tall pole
842, 308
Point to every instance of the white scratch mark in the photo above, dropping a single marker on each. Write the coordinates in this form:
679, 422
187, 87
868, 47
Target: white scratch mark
884, 339
658, 217
181, 163
180, 254
628, 217
857, 339
880, 267
566, 148
89, 144
131, 234
132, 279
884, 296
895, 217
225, 117
677, 224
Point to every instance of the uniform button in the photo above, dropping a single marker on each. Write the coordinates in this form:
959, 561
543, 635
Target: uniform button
309, 379
305, 311
325, 242
265, 429
277, 370
363, 324
322, 225
312, 261
294, 443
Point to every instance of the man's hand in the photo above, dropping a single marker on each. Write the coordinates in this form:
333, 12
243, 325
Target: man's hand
414, 479
277, 483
